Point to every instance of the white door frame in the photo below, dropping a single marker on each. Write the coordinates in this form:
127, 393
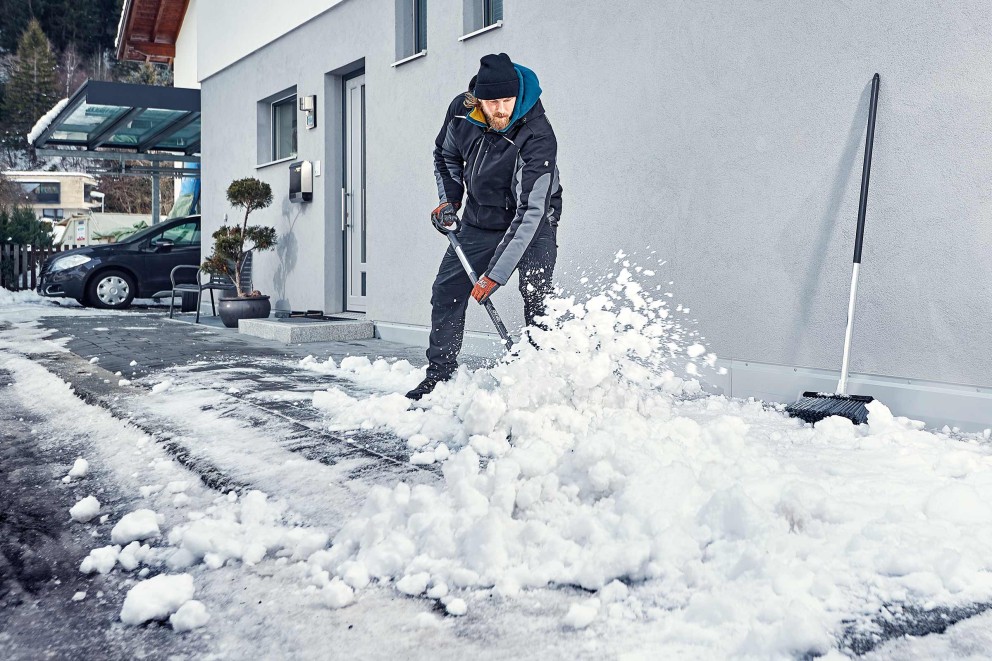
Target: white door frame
353, 221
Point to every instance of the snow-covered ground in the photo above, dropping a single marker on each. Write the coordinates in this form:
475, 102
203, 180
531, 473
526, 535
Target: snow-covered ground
587, 499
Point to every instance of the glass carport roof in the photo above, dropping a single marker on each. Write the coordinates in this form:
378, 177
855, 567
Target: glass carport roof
123, 117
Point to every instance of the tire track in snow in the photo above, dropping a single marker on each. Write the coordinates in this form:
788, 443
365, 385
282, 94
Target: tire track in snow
237, 443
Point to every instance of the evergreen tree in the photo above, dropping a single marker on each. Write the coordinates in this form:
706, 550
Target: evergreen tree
32, 89
91, 24
20, 226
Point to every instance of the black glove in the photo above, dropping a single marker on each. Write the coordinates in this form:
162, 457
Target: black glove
445, 216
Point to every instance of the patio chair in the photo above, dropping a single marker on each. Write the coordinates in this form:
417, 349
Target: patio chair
221, 282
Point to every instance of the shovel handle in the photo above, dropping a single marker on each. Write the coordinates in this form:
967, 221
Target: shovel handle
488, 305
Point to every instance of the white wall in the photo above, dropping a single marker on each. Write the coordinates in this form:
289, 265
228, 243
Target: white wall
184, 65
231, 29
727, 137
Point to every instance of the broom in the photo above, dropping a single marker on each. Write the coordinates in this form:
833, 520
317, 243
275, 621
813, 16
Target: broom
815, 406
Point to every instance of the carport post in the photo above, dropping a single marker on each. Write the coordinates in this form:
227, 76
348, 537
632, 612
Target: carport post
156, 214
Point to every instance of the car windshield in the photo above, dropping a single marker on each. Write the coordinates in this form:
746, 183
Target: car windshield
154, 229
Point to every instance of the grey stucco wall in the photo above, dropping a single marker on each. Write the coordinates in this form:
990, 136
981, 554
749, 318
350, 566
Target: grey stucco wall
727, 137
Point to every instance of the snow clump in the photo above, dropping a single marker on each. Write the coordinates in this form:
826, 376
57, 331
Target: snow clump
100, 560
136, 526
79, 469
85, 510
157, 598
191, 615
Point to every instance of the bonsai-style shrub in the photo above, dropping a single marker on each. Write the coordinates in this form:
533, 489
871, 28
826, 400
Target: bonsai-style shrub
232, 244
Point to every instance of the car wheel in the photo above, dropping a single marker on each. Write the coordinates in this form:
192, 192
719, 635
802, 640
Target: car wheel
113, 290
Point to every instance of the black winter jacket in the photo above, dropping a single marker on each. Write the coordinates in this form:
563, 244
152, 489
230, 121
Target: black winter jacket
510, 176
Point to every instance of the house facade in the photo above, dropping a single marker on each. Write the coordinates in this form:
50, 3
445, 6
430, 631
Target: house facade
723, 139
54, 196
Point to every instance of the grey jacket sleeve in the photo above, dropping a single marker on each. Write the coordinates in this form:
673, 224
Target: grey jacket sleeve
535, 180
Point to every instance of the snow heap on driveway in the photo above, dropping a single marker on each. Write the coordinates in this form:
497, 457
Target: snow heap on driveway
593, 463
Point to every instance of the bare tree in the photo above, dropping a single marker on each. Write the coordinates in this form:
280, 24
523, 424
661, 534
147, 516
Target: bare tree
130, 194
10, 192
71, 69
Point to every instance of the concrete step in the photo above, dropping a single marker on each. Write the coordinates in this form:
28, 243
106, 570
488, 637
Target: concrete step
297, 330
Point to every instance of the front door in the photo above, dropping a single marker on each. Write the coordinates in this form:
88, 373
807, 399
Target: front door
354, 222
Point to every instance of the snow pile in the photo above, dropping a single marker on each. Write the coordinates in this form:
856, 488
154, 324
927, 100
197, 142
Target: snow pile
157, 598
395, 376
639, 339
592, 462
246, 530
21, 297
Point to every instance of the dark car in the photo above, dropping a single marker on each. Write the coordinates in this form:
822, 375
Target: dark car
113, 275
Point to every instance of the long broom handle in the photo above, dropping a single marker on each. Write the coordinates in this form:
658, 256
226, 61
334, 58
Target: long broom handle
488, 305
859, 237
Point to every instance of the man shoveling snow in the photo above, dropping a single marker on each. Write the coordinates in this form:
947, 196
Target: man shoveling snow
503, 154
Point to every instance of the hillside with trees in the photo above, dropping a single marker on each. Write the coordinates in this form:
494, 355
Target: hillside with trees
48, 48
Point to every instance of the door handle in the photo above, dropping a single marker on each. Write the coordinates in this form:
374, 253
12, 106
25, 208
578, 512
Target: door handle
344, 208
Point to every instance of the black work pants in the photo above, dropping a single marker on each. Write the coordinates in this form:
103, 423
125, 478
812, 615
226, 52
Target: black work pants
453, 288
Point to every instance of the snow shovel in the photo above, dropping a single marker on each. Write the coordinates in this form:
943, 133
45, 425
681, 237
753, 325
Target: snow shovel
488, 305
815, 406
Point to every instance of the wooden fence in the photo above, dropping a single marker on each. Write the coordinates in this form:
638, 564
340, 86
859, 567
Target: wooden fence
20, 266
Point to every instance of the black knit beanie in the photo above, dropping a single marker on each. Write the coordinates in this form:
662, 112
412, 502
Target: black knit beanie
497, 78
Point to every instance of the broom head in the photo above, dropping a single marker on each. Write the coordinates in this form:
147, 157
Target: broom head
815, 406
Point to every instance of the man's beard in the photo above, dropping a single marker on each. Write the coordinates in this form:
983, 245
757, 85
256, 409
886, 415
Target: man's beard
497, 122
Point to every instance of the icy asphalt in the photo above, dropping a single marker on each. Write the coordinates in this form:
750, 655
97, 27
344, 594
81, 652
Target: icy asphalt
240, 418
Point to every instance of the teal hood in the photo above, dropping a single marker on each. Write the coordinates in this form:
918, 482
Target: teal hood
527, 98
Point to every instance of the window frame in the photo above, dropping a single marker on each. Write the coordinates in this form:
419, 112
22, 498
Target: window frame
274, 128
488, 13
419, 21
29, 189
411, 30
479, 17
195, 233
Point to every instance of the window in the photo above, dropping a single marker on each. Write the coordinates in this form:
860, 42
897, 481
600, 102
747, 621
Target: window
411, 29
187, 234
42, 192
480, 16
87, 190
284, 128
420, 25
492, 11
53, 213
275, 138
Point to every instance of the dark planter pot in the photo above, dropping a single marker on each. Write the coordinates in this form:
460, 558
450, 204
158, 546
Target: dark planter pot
232, 309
